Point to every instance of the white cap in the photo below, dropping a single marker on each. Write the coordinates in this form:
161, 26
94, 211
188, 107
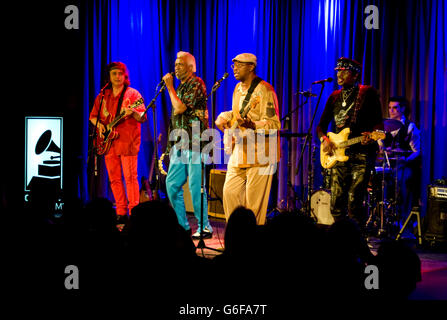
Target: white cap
246, 57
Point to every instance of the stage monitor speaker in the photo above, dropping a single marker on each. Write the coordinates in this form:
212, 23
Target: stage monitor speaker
187, 197
215, 202
436, 217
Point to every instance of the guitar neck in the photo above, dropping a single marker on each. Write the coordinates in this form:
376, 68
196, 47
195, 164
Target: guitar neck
121, 115
350, 142
116, 120
243, 115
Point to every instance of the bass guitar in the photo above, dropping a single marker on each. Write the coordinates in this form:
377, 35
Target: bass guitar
341, 142
102, 144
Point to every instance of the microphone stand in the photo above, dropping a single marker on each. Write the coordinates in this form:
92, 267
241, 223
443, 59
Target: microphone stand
287, 121
154, 119
201, 243
92, 150
310, 165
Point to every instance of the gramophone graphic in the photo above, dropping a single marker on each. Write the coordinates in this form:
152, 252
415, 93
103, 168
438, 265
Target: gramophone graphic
49, 171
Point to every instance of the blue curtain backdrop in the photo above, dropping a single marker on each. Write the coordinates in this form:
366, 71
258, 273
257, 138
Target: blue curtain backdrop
296, 42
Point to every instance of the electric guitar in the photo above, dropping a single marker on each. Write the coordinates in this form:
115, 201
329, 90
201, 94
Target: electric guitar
229, 138
329, 159
102, 144
147, 192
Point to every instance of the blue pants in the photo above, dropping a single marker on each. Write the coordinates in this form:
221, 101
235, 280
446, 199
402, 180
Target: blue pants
184, 163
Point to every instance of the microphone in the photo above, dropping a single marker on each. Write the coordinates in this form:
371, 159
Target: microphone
106, 86
306, 94
162, 81
221, 79
322, 81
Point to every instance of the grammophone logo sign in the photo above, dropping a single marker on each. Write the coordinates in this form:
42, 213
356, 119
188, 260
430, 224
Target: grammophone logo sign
43, 152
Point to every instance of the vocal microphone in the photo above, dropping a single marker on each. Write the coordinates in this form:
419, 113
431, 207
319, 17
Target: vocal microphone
322, 81
221, 79
161, 82
306, 94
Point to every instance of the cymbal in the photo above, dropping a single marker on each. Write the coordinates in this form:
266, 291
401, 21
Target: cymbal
399, 151
392, 125
380, 169
389, 158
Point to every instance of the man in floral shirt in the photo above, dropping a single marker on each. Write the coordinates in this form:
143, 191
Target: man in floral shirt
189, 118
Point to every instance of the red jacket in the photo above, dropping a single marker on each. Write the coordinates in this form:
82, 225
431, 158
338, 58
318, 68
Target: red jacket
129, 130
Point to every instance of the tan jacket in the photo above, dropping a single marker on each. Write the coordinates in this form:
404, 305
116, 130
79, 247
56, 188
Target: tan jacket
264, 113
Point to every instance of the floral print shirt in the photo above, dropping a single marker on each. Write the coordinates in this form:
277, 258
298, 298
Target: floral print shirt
193, 94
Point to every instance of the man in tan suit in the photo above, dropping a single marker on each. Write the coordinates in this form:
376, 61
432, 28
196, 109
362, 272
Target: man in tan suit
255, 155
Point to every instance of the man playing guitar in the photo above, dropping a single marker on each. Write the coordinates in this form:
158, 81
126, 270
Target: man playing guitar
122, 155
358, 108
248, 183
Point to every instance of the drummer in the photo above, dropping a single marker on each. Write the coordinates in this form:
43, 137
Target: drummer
404, 145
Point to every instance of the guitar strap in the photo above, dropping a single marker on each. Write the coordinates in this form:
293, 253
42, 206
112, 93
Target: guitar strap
359, 102
252, 88
120, 101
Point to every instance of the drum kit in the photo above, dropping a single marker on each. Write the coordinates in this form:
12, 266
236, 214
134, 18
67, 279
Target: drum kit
383, 188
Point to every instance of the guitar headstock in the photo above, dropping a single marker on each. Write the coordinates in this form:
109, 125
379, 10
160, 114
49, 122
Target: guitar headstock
378, 135
137, 103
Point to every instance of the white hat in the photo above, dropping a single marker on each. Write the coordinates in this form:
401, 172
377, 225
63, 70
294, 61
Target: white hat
246, 57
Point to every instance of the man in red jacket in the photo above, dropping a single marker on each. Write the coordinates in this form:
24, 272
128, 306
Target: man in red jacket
122, 156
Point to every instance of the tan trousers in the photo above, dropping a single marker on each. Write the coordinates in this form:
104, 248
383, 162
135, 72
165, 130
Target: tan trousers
248, 187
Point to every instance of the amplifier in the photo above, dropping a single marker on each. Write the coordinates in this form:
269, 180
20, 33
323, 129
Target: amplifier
436, 217
215, 203
437, 192
187, 197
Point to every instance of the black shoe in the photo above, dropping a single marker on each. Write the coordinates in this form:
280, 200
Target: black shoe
121, 221
206, 234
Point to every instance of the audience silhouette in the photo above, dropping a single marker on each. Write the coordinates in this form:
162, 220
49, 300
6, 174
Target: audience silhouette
289, 257
400, 270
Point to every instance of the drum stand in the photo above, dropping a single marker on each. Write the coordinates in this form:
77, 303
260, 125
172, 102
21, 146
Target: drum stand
382, 231
378, 208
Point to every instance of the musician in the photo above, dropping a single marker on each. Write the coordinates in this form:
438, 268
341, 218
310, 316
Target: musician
122, 157
356, 107
248, 183
406, 139
188, 110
